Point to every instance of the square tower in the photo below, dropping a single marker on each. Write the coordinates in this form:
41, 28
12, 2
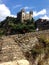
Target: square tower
23, 16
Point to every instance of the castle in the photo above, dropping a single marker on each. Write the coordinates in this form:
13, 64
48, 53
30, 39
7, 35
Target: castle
23, 16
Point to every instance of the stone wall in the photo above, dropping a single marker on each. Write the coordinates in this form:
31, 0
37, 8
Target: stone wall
13, 47
10, 50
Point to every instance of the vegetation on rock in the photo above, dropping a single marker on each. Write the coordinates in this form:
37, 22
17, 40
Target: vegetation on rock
11, 26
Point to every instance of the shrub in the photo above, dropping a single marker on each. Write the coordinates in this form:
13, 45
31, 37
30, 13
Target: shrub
44, 39
35, 52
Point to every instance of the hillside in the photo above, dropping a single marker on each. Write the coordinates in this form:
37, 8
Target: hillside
25, 49
12, 26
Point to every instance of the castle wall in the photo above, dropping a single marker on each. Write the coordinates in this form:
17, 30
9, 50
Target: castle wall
24, 16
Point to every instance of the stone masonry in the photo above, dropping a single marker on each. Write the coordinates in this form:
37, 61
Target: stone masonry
13, 47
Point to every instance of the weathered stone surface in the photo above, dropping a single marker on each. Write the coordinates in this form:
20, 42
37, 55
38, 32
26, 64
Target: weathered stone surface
18, 62
17, 47
10, 50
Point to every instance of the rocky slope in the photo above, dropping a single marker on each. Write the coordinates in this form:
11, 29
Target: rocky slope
25, 49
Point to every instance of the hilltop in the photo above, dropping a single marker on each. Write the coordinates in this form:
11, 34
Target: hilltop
23, 23
12, 26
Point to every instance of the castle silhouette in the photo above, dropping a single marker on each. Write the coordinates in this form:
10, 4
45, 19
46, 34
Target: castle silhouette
23, 16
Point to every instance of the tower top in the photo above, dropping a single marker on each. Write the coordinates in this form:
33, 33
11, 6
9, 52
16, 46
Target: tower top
23, 10
31, 12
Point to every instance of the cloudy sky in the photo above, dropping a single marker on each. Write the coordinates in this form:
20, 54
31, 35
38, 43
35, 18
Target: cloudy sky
40, 8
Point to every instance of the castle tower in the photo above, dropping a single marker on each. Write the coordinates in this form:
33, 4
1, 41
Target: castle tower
31, 15
22, 15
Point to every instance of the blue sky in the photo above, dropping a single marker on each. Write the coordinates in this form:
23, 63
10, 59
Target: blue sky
40, 8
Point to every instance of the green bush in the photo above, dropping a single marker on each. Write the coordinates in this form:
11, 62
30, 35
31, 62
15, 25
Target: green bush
44, 39
11, 25
35, 52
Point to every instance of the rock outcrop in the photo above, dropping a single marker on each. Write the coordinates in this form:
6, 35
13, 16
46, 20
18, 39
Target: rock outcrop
25, 49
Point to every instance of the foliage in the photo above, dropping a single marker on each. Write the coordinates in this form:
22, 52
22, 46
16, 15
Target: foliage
42, 47
36, 51
1, 32
44, 40
11, 25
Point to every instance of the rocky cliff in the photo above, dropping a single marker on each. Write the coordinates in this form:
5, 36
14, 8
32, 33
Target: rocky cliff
25, 49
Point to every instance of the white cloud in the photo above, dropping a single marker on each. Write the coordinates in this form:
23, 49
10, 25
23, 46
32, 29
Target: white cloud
42, 12
13, 16
4, 12
26, 7
27, 12
16, 6
45, 17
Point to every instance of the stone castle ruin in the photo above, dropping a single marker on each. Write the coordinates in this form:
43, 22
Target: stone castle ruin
23, 16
